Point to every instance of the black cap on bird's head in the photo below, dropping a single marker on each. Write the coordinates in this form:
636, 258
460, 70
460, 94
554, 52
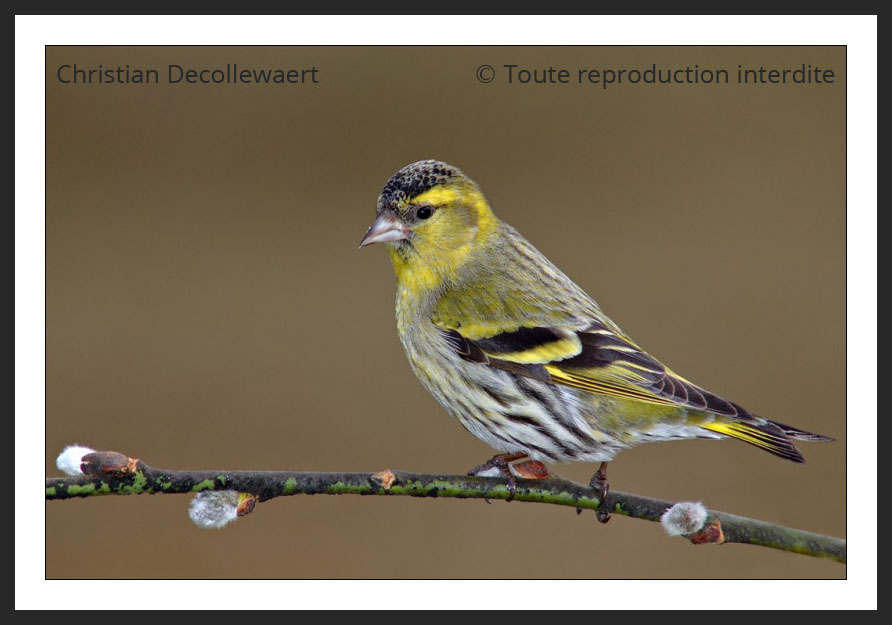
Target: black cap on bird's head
415, 179
406, 200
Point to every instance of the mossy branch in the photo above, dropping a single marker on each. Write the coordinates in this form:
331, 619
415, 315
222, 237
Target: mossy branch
111, 473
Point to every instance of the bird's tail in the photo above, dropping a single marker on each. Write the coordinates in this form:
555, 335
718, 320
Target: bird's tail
771, 436
802, 435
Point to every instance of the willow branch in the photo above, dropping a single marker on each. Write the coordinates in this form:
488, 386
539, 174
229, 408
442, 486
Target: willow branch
110, 473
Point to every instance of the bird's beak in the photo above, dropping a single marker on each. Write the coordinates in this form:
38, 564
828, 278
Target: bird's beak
387, 227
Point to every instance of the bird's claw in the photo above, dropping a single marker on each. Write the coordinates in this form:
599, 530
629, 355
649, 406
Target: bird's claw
500, 466
599, 483
512, 487
497, 466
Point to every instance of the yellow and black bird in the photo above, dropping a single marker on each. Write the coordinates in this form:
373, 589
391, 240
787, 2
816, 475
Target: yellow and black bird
518, 353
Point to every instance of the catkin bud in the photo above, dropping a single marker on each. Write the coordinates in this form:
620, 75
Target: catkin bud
684, 518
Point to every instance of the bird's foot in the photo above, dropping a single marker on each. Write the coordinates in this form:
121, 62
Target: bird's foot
502, 465
599, 483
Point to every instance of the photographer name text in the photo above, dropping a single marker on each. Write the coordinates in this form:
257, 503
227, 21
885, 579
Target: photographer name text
173, 74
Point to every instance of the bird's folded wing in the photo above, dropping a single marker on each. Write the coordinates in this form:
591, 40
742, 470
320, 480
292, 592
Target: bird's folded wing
598, 359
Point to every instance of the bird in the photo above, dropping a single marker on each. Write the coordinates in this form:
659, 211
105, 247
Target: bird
519, 354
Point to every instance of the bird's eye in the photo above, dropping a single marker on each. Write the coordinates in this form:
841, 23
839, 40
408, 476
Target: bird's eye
424, 212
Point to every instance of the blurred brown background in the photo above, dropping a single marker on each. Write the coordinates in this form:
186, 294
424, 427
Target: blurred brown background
207, 306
